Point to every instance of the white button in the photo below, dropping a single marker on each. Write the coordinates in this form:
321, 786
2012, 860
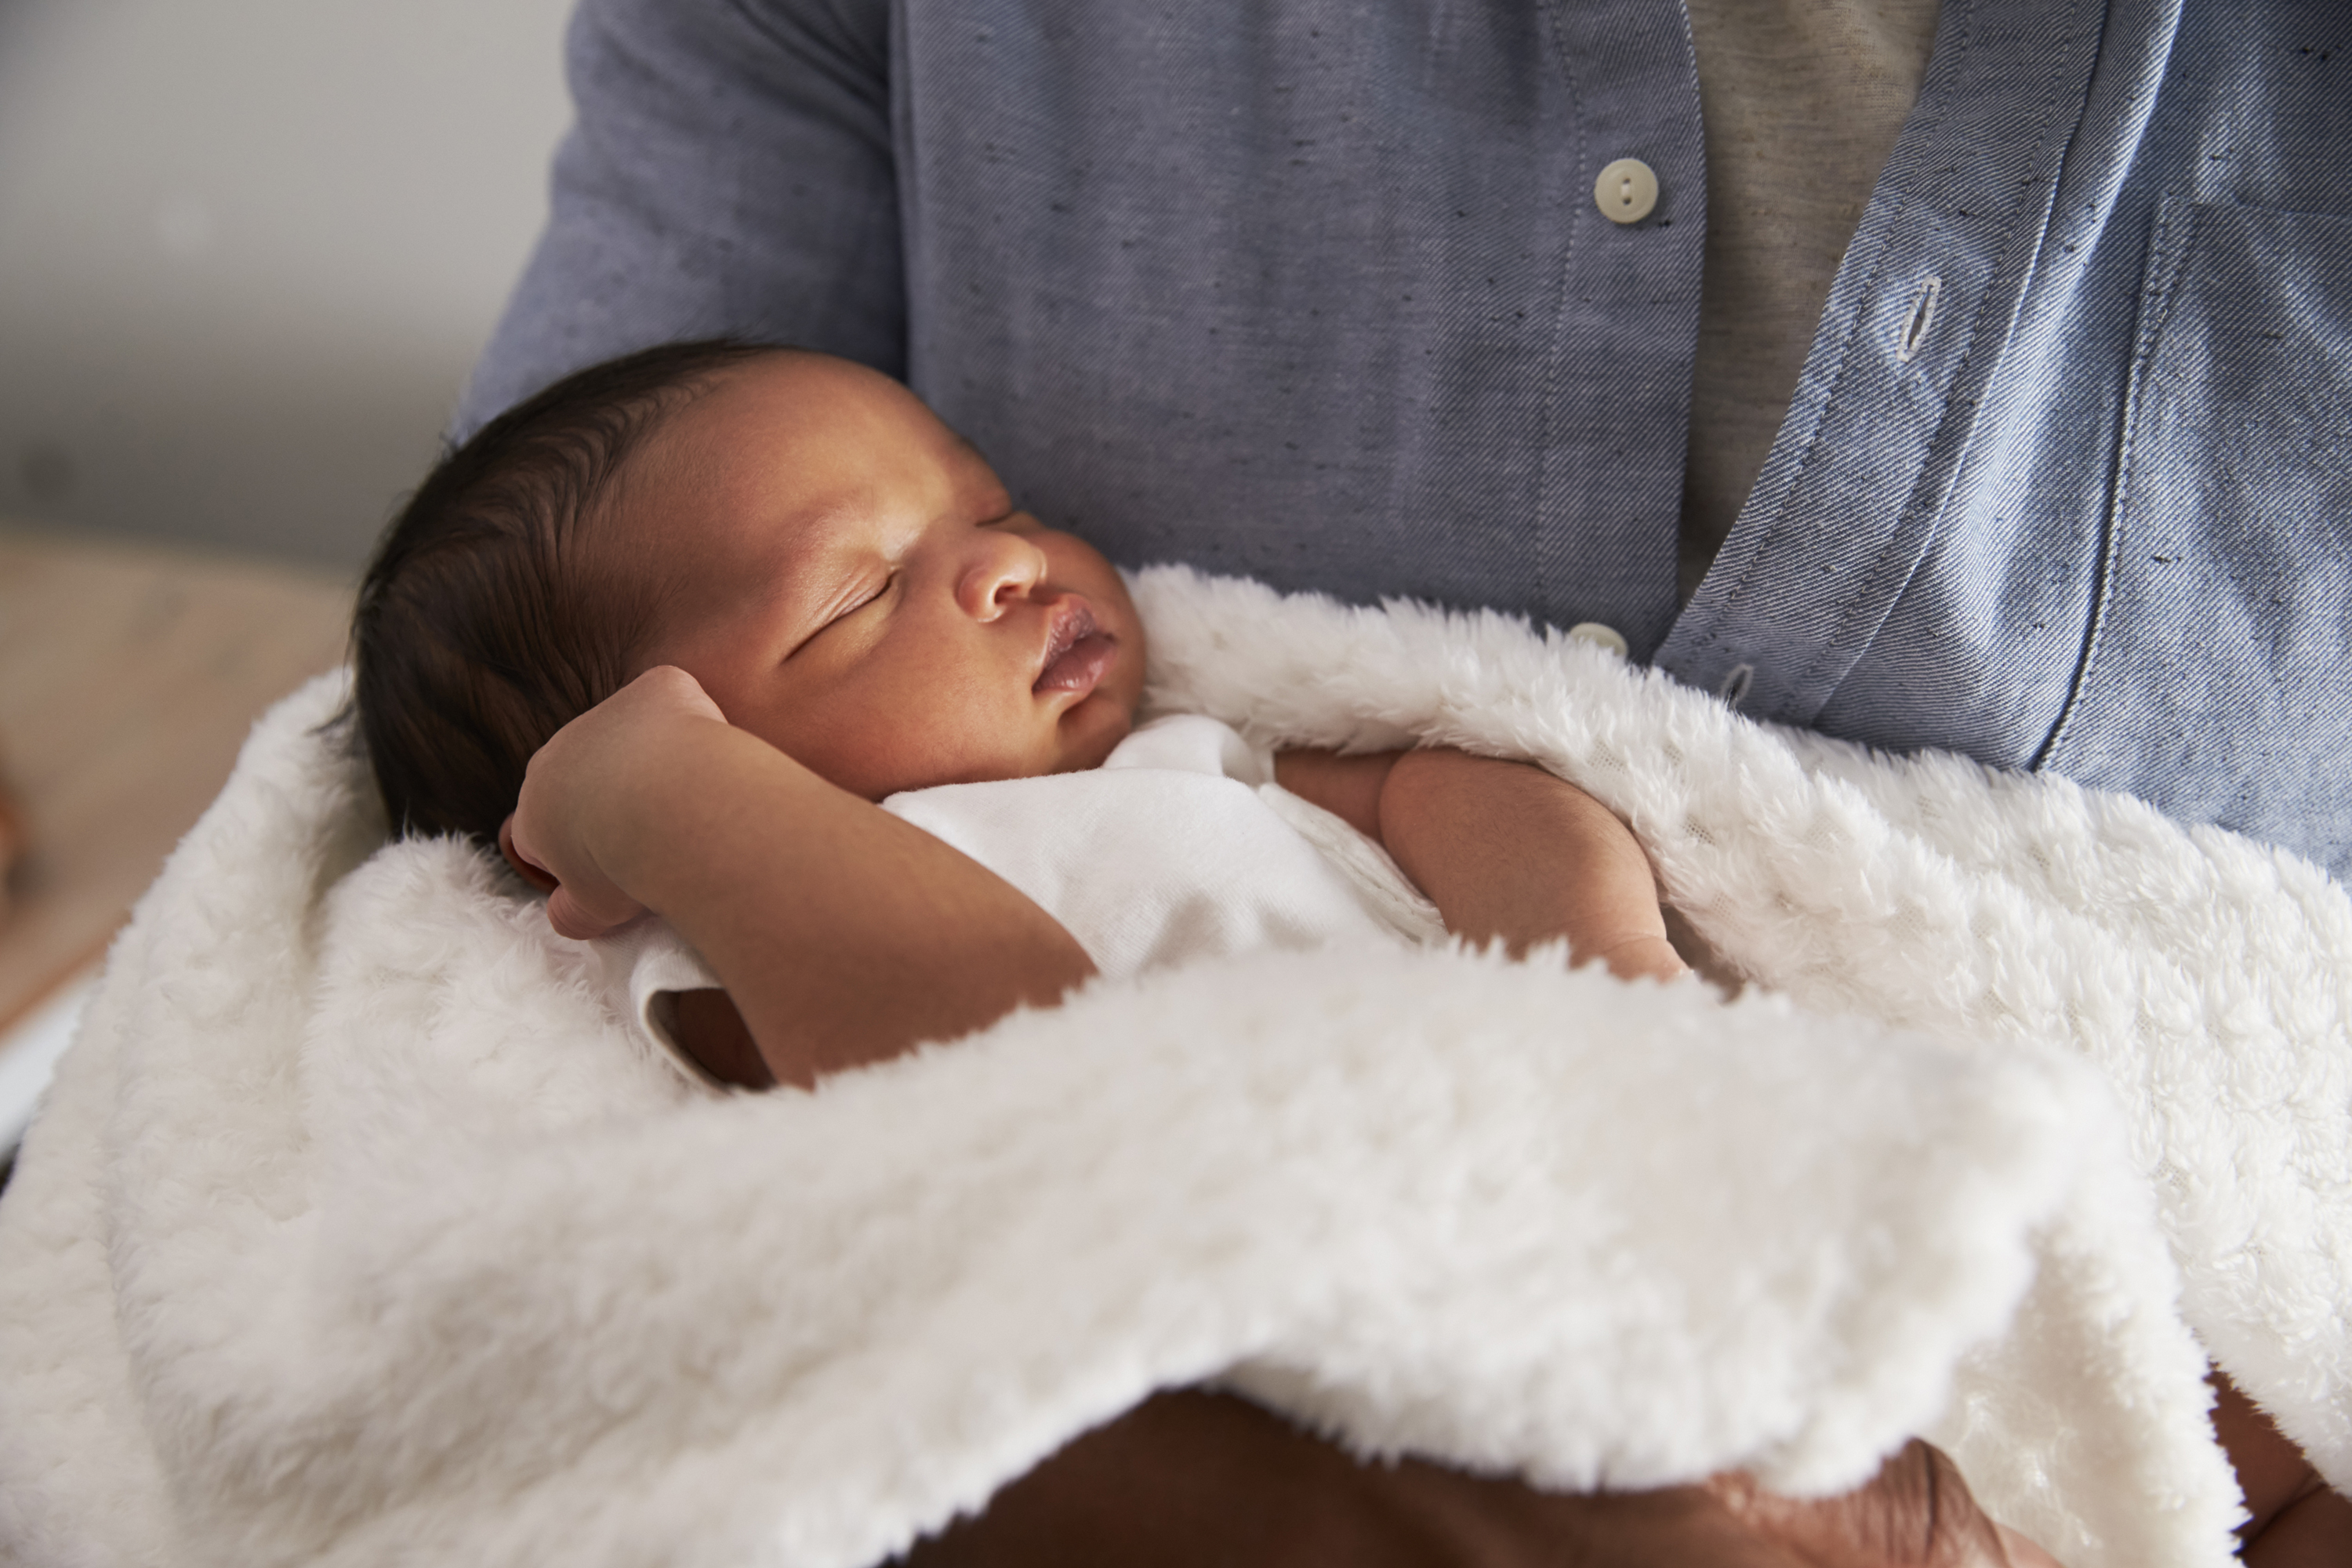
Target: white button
1598, 635
1626, 191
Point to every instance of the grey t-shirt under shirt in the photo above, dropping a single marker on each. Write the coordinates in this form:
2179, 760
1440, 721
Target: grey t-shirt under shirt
1802, 101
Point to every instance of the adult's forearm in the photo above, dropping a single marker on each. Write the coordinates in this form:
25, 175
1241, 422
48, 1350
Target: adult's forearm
1189, 1477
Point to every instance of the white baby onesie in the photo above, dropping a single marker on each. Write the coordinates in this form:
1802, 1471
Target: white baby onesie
1179, 846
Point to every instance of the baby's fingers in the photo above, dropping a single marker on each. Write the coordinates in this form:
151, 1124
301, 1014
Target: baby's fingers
571, 914
584, 920
524, 866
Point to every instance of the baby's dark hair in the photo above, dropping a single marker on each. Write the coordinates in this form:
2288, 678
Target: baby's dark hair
491, 618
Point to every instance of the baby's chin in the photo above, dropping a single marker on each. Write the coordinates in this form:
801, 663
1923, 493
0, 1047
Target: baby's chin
1091, 731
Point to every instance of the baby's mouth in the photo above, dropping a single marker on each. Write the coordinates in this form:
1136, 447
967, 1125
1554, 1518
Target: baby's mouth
1078, 653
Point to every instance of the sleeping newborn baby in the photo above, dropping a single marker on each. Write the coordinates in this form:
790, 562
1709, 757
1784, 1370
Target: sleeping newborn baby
676, 630
748, 639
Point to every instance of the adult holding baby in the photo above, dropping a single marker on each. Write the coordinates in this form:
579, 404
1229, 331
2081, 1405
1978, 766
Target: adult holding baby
1414, 301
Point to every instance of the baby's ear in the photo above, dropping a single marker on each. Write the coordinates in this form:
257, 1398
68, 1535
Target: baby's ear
536, 876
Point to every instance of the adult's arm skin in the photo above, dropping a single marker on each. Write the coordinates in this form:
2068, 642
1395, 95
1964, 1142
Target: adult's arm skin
1190, 1478
2293, 1519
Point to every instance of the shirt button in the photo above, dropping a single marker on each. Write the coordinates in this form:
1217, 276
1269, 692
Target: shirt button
1598, 635
1627, 191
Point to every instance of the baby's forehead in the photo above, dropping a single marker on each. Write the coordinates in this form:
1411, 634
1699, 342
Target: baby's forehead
780, 464
792, 395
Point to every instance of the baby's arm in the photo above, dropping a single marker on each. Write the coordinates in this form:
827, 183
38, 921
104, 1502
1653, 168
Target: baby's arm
1503, 849
843, 935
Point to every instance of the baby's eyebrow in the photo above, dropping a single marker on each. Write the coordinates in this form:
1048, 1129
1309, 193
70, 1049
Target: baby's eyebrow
790, 585
979, 460
822, 585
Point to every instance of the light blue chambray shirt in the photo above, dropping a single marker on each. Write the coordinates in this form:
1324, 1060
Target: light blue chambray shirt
1316, 290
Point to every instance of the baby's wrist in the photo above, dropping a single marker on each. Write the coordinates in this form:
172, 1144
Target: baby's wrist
687, 803
635, 789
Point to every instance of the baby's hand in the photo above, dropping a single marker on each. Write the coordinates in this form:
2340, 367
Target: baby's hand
1504, 849
575, 795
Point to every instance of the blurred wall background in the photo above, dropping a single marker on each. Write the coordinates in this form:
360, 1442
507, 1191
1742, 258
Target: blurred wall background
249, 249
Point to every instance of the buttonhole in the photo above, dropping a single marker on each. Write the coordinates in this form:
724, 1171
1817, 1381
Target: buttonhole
1917, 320
1734, 689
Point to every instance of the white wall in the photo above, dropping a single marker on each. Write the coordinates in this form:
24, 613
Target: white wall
249, 249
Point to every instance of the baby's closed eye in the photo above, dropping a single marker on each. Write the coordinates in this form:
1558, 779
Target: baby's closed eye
862, 596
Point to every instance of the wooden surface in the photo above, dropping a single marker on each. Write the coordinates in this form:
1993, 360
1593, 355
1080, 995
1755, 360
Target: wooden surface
129, 676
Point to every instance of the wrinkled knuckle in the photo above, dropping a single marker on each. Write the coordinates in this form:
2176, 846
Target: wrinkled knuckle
1960, 1534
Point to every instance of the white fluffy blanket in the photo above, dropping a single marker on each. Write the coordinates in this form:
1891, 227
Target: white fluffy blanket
354, 1231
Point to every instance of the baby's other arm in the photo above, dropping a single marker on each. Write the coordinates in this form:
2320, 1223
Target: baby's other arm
843, 935
1503, 849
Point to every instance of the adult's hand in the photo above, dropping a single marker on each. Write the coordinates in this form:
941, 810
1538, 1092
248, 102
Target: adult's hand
1191, 1478
1916, 1511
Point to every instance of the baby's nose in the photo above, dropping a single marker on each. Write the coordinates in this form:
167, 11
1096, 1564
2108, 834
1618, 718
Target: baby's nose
1003, 568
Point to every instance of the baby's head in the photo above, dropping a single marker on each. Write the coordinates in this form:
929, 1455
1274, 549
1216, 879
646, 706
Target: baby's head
843, 574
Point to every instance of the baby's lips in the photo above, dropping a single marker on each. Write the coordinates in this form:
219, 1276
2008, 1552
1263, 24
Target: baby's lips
1082, 665
1069, 618
1072, 623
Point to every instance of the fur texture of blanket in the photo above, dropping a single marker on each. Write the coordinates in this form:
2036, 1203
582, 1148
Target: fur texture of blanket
354, 1231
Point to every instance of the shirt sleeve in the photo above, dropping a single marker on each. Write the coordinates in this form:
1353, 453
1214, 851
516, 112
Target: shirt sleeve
728, 172
645, 964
